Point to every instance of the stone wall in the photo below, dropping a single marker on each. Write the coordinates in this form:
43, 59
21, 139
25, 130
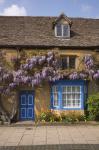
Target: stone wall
93, 87
42, 99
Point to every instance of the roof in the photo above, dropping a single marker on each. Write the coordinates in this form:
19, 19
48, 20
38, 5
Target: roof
63, 16
38, 31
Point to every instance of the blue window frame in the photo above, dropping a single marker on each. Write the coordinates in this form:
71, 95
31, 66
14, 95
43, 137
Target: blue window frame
68, 94
55, 95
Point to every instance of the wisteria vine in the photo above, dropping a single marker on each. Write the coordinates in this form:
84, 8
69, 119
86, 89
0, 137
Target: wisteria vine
40, 68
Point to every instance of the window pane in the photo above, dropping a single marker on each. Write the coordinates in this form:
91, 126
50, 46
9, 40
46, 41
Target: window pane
73, 102
77, 89
55, 89
68, 62
64, 89
59, 29
77, 96
73, 89
64, 63
65, 30
71, 96
78, 102
64, 99
68, 88
68, 103
64, 103
71, 62
55, 95
64, 96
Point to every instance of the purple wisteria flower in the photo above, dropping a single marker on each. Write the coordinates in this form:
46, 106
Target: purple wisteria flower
25, 79
74, 76
88, 60
96, 75
6, 91
33, 60
41, 60
49, 54
44, 73
6, 76
91, 72
30, 66
82, 75
49, 59
26, 66
14, 59
12, 85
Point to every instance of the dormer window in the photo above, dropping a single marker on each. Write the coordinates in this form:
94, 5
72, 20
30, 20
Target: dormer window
62, 26
62, 30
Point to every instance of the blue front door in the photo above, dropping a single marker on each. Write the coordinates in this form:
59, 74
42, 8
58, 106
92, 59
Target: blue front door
26, 105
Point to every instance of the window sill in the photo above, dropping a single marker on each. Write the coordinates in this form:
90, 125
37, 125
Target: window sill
62, 38
68, 69
66, 108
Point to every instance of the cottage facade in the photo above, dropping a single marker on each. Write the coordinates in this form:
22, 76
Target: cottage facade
72, 39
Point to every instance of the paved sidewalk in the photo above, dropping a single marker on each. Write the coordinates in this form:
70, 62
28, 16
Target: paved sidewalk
49, 135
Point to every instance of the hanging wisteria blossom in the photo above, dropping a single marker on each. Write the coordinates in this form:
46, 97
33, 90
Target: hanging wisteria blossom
43, 67
88, 60
74, 76
96, 75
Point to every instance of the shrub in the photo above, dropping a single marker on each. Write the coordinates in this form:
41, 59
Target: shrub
82, 118
72, 117
93, 107
42, 116
49, 117
66, 118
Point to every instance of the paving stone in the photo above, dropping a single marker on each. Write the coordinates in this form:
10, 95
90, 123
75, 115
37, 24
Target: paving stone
49, 135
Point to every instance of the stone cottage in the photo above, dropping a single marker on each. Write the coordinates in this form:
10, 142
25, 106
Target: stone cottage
72, 39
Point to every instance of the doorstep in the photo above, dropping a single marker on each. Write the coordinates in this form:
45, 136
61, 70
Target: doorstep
23, 123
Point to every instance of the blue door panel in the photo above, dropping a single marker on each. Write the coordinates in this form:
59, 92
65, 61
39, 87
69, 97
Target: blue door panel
23, 113
26, 105
30, 99
30, 113
23, 99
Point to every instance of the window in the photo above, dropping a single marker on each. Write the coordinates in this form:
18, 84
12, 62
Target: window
71, 96
58, 30
68, 62
62, 30
55, 95
68, 94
